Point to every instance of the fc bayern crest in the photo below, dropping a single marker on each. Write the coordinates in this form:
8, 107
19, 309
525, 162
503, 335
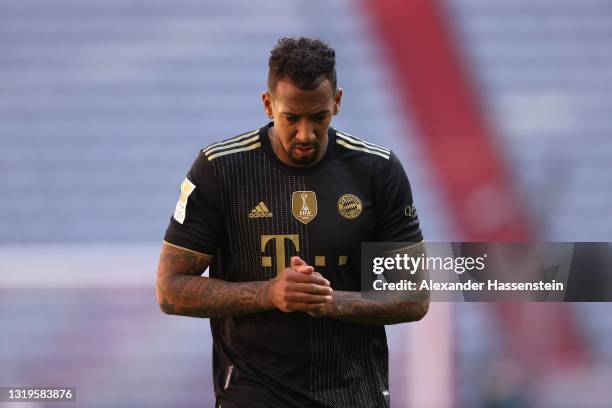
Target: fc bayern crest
304, 206
350, 206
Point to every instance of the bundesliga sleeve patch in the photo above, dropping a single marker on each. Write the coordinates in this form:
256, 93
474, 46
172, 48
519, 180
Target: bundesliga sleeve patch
187, 188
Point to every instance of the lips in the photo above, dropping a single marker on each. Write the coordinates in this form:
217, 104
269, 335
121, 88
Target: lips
305, 149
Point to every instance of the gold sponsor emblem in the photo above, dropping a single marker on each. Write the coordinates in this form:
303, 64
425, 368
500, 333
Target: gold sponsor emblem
304, 206
410, 211
350, 206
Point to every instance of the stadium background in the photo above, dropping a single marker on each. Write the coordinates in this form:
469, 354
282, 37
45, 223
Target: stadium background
499, 110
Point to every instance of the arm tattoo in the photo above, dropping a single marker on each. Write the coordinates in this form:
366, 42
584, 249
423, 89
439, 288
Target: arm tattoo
183, 291
352, 307
383, 308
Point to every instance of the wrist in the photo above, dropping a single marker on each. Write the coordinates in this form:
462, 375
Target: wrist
267, 300
326, 309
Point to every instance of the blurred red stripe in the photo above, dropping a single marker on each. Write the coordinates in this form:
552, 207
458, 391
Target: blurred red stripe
436, 91
434, 87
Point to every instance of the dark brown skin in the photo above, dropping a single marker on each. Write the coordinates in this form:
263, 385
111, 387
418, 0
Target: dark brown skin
386, 308
351, 307
299, 138
182, 290
301, 120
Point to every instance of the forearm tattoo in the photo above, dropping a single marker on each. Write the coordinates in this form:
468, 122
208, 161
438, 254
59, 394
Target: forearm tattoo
352, 307
383, 308
183, 291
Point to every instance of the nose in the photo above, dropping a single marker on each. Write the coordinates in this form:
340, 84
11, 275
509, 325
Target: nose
305, 133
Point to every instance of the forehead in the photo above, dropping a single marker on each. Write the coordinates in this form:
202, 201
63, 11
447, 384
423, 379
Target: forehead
290, 98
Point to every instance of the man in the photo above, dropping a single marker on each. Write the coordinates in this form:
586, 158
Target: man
300, 192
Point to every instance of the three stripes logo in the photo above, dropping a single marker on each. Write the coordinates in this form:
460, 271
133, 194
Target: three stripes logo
354, 143
241, 143
260, 211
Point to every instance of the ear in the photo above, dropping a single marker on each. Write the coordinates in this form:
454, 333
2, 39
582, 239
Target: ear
267, 102
337, 100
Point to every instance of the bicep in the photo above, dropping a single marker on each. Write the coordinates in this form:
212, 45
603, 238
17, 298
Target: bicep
176, 260
177, 264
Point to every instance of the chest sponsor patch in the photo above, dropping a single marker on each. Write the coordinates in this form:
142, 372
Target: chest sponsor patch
187, 187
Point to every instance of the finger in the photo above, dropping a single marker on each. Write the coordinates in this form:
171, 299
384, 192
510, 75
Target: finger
294, 276
317, 275
299, 297
314, 273
296, 261
311, 288
304, 269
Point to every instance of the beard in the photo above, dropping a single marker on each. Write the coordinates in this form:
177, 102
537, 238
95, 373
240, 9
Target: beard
304, 158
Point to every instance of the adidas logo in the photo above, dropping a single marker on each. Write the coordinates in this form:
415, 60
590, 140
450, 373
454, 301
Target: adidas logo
260, 211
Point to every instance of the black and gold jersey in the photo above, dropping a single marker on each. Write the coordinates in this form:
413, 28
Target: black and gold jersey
243, 205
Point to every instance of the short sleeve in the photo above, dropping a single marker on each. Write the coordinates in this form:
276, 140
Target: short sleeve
197, 220
397, 219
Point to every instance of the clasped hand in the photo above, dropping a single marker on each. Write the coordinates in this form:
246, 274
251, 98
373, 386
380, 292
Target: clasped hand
300, 288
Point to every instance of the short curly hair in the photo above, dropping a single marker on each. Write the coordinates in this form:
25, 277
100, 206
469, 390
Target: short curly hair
306, 62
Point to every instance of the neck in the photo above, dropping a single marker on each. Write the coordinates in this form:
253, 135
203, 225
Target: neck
278, 150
